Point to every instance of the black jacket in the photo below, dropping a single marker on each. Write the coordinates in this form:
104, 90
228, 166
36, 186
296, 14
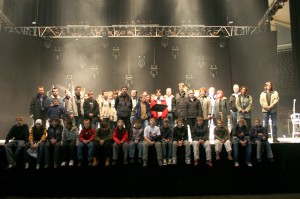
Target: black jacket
54, 133
180, 105
18, 133
180, 134
36, 109
90, 106
123, 105
200, 133
194, 108
166, 133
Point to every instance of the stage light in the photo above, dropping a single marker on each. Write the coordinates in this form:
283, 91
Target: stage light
164, 41
213, 71
104, 41
175, 52
57, 52
47, 43
94, 71
188, 80
153, 70
69, 80
141, 61
82, 61
222, 42
128, 80
116, 52
200, 61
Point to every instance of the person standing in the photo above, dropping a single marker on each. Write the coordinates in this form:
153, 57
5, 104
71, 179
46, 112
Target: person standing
180, 103
269, 101
159, 116
232, 105
91, 109
244, 106
16, 137
221, 107
194, 109
142, 111
169, 100
39, 106
123, 105
134, 99
78, 109
206, 105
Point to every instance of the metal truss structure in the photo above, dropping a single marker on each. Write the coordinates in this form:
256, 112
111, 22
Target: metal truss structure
4, 21
133, 31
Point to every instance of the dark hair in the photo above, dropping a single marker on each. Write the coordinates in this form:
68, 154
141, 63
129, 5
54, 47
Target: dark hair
103, 125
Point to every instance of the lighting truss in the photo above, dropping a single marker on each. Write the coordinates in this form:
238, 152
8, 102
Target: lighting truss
150, 30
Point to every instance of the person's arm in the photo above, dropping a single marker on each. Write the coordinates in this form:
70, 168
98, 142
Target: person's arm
96, 109
117, 102
30, 138
238, 104
97, 136
275, 100
108, 136
80, 136
43, 138
59, 137
206, 134
92, 137
262, 99
250, 104
125, 137
115, 137
10, 135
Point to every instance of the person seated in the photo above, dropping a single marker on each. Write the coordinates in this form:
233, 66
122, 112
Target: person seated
166, 141
222, 137
136, 140
200, 136
86, 138
120, 138
103, 141
152, 138
259, 135
180, 138
37, 136
241, 138
69, 142
16, 137
53, 140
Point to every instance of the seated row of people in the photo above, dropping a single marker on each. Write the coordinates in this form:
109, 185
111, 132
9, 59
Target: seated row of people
40, 142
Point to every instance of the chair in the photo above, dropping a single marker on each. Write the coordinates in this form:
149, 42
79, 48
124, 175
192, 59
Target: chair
296, 124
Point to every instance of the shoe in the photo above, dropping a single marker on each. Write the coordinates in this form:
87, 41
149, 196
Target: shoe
140, 160
107, 162
95, 162
71, 163
160, 163
10, 166
249, 164
37, 166
165, 162
55, 165
79, 164
217, 156
209, 163
145, 163
131, 161
236, 164
63, 164
46, 166
169, 161
275, 140
271, 160
229, 157
174, 162
259, 160
188, 162
196, 163
114, 162
26, 165
125, 161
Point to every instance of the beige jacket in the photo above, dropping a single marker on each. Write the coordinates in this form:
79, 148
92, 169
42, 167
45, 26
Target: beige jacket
273, 102
206, 106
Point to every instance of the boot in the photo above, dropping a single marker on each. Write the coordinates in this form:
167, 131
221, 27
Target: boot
229, 156
217, 155
107, 162
95, 162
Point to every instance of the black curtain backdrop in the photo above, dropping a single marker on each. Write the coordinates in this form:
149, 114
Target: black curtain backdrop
295, 29
20, 58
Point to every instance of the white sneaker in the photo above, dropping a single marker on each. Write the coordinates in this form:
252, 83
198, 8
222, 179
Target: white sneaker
174, 162
71, 163
26, 165
37, 166
249, 164
63, 164
236, 164
165, 162
188, 161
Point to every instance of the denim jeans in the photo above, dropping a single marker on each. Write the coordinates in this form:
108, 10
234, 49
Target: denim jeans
274, 122
236, 144
157, 146
170, 117
13, 158
41, 150
68, 150
116, 150
259, 148
167, 148
79, 121
80, 146
233, 119
56, 152
144, 123
139, 146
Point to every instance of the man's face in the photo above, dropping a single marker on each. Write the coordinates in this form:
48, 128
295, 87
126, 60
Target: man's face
219, 94
77, 91
124, 90
38, 125
169, 92
41, 91
241, 123
211, 91
86, 124
152, 122
158, 95
257, 122
202, 92
56, 102
143, 99
67, 125
199, 122
181, 88
54, 123
179, 124
243, 91
19, 122
137, 124
55, 92
133, 94
220, 124
91, 96
191, 94
120, 125
236, 88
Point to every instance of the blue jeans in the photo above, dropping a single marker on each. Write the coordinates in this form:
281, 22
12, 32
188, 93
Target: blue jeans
132, 149
90, 146
79, 121
274, 122
13, 158
259, 148
234, 120
235, 143
170, 117
167, 149
144, 123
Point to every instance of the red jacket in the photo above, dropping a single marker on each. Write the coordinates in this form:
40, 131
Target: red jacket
154, 113
87, 134
120, 135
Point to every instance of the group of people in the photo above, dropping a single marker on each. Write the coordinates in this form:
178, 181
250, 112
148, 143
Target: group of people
116, 121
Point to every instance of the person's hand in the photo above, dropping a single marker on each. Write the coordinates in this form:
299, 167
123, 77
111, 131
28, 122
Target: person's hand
53, 141
152, 143
260, 134
201, 141
264, 137
71, 116
101, 142
31, 116
136, 141
222, 141
180, 143
91, 114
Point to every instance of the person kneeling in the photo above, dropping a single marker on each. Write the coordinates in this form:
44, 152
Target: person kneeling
152, 138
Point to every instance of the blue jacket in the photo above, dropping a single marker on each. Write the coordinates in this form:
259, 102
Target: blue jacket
137, 113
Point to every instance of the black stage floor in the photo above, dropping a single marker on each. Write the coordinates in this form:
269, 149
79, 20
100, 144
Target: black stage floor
282, 176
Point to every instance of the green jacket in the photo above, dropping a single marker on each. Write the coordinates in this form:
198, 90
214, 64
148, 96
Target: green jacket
103, 134
221, 133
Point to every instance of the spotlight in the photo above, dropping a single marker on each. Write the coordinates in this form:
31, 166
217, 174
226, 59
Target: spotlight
82, 61
213, 71
128, 80
222, 42
57, 52
188, 80
164, 41
94, 71
141, 61
47, 43
200, 61
153, 70
116, 52
104, 41
175, 52
69, 80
